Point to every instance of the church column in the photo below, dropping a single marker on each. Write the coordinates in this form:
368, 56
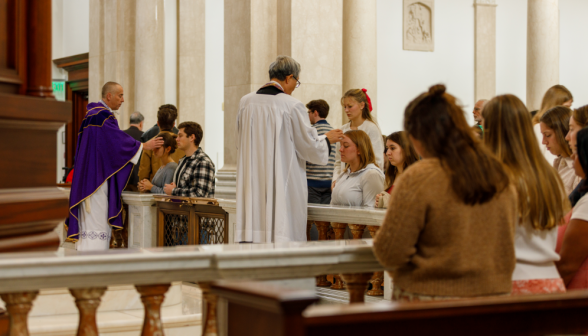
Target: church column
149, 59
250, 47
485, 49
311, 32
542, 49
359, 50
191, 61
112, 51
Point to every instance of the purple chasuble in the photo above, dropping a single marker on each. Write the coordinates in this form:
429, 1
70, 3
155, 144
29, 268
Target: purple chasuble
103, 156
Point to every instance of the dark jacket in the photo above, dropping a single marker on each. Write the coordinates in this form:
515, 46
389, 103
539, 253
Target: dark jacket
153, 131
136, 134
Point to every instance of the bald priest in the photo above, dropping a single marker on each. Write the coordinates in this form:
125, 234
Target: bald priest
104, 161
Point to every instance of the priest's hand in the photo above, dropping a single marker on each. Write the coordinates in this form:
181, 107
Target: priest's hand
169, 188
334, 136
153, 143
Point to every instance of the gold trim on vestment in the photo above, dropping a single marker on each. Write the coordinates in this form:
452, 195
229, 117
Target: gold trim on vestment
96, 125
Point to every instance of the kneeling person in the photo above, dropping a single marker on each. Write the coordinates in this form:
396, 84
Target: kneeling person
165, 173
194, 176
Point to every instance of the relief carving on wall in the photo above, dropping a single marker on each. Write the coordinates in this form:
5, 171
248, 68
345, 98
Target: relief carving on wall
418, 27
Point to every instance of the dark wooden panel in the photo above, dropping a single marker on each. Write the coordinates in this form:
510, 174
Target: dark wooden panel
31, 108
48, 241
12, 46
36, 211
39, 48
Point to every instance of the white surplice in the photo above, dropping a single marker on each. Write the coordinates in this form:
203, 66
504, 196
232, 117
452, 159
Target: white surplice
274, 141
95, 230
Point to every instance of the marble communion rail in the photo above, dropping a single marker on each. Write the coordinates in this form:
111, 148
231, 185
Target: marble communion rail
152, 270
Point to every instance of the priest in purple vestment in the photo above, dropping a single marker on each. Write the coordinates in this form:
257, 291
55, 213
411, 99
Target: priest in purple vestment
104, 161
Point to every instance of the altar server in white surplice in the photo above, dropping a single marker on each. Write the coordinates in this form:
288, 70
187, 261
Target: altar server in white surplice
274, 141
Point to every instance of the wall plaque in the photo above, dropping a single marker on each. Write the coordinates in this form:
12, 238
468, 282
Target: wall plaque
418, 25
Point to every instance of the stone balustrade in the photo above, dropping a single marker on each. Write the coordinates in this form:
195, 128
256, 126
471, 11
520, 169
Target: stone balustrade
87, 274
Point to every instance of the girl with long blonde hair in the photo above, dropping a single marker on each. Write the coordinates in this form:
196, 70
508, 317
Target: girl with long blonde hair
542, 200
358, 108
362, 179
555, 96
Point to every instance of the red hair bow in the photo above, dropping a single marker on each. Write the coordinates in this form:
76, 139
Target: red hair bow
368, 99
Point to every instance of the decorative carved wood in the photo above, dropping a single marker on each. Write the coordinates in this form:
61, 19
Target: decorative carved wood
357, 230
19, 305
152, 297
87, 301
356, 285
210, 325
322, 228
378, 278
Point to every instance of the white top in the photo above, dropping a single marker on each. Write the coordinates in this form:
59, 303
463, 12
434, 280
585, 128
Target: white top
373, 131
565, 169
535, 252
358, 188
274, 142
547, 154
581, 209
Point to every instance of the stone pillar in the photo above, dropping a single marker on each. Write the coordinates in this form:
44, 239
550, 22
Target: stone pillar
485, 49
250, 47
542, 49
112, 51
360, 63
191, 62
319, 54
149, 59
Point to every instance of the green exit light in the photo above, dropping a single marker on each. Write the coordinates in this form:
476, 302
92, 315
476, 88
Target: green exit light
58, 86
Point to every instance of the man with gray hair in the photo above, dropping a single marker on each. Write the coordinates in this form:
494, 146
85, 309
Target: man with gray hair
274, 141
135, 130
478, 111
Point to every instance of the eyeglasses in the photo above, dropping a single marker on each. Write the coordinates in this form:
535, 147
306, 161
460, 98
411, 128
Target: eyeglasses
297, 81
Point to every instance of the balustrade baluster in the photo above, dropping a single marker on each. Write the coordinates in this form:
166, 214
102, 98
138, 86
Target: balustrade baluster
19, 305
87, 301
209, 326
322, 228
356, 285
378, 278
339, 229
357, 230
152, 297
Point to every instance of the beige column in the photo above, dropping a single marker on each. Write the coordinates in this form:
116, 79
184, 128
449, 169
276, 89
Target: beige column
311, 32
149, 59
250, 47
112, 51
191, 61
542, 49
360, 64
485, 49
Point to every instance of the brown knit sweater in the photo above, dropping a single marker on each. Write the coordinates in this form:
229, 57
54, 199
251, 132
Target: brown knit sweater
434, 244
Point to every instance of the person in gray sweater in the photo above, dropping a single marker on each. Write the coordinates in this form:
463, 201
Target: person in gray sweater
165, 174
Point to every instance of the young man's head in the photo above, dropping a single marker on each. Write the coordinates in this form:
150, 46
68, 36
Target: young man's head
317, 110
166, 117
190, 136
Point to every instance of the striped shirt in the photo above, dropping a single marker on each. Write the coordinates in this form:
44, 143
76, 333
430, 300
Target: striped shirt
320, 176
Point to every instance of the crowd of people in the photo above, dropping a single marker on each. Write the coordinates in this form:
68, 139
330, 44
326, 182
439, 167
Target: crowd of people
492, 209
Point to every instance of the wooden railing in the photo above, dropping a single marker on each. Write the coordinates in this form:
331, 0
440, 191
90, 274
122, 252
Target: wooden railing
282, 312
87, 274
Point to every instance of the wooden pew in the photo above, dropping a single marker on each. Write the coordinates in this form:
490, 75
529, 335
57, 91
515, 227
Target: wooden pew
258, 309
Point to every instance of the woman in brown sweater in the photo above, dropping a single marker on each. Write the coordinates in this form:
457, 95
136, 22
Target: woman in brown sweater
449, 230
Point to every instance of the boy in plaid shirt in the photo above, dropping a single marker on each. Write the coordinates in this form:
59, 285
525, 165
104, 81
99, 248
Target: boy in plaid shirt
194, 176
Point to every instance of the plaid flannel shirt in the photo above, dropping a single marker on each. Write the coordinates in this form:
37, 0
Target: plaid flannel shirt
197, 179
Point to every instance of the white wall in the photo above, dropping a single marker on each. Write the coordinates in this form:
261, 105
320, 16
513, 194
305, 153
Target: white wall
402, 74
573, 67
171, 52
214, 79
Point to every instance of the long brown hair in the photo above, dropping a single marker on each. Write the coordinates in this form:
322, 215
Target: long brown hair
364, 146
409, 155
580, 116
556, 95
435, 119
508, 132
359, 97
169, 140
558, 120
